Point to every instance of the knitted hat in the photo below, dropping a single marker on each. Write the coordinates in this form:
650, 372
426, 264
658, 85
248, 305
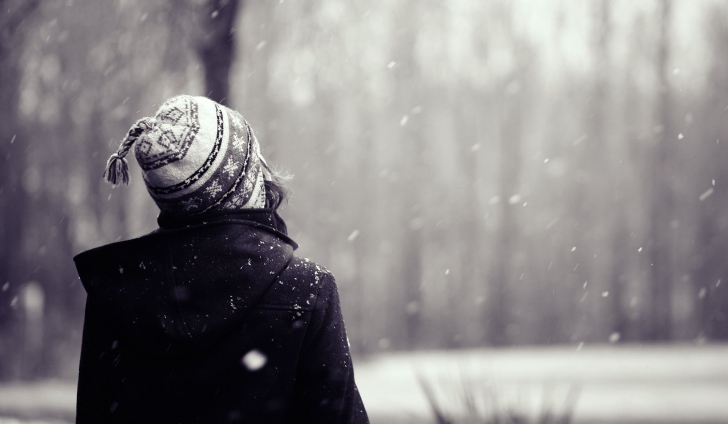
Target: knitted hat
196, 156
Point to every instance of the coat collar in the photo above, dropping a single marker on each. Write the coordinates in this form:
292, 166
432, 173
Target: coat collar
267, 219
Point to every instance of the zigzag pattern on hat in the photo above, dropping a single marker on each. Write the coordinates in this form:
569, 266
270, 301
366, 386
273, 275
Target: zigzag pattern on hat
178, 123
202, 169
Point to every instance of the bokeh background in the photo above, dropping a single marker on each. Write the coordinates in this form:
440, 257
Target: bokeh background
477, 174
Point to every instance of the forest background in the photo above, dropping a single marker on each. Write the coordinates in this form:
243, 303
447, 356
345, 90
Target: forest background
475, 173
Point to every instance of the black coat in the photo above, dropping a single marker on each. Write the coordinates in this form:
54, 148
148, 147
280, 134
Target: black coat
213, 321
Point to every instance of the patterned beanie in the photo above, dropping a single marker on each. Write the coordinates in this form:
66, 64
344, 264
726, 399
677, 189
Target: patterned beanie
196, 156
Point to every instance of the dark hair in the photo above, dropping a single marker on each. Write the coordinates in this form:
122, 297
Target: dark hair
275, 193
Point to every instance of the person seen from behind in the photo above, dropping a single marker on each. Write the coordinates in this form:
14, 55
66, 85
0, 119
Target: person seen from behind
211, 318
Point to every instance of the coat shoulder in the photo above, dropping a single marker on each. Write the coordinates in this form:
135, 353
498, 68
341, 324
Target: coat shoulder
298, 286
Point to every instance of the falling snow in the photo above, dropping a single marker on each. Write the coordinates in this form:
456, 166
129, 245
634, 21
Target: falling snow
254, 360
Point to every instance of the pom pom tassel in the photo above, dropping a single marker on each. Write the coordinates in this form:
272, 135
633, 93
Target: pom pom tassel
117, 170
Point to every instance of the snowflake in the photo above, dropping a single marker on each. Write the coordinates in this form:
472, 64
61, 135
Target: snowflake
230, 167
239, 142
236, 122
236, 199
214, 188
191, 203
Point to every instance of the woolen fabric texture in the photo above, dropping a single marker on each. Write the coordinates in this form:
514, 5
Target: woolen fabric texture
196, 156
213, 320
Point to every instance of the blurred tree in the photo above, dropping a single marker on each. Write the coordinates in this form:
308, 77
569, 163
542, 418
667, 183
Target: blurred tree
474, 123
206, 27
512, 96
217, 47
592, 181
476, 120
661, 202
710, 268
15, 22
261, 25
631, 152
413, 177
605, 304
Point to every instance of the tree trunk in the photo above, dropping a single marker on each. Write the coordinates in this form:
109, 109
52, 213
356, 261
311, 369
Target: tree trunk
499, 314
218, 48
605, 303
410, 203
659, 316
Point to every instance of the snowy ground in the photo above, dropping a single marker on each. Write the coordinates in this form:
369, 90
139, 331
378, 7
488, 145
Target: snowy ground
47, 402
676, 384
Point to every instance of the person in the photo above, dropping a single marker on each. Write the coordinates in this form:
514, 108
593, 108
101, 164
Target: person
211, 318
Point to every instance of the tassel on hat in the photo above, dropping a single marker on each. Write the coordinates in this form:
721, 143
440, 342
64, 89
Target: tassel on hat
117, 167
